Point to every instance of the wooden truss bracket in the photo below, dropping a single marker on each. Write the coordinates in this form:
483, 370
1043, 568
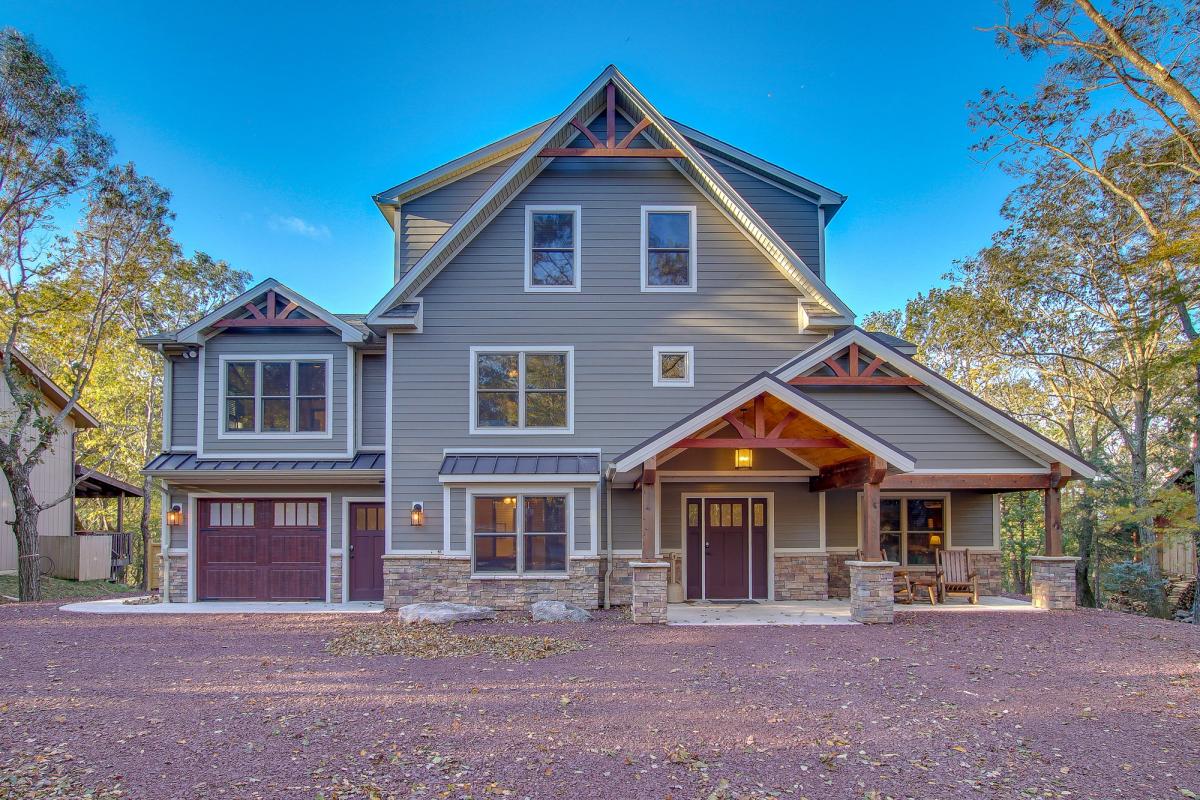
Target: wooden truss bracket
854, 376
274, 318
610, 147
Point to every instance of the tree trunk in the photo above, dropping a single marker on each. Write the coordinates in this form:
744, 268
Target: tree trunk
1085, 595
1196, 501
25, 528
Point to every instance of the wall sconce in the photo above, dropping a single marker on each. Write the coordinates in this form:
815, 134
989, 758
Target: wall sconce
418, 514
175, 515
743, 458
935, 540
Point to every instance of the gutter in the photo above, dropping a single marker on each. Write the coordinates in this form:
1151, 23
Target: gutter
608, 571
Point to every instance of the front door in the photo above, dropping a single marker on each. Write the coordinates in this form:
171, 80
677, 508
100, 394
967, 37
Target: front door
726, 549
366, 551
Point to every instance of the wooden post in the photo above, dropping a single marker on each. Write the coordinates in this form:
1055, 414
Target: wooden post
876, 472
1054, 513
120, 513
649, 511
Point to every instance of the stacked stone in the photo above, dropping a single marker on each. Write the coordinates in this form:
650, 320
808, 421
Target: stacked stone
177, 578
650, 591
435, 579
335, 579
987, 567
1054, 582
871, 593
839, 574
801, 577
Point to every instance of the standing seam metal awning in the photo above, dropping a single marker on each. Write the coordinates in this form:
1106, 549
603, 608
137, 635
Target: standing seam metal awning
501, 465
187, 462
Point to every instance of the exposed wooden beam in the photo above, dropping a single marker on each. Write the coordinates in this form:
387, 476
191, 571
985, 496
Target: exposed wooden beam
998, 481
579, 126
1053, 525
631, 152
649, 511
853, 360
270, 304
610, 114
783, 423
743, 430
858, 472
270, 323
837, 380
289, 308
870, 523
629, 137
253, 309
760, 417
870, 370
762, 443
836, 367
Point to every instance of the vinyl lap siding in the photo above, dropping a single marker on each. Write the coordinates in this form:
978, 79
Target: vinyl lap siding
373, 380
971, 519
183, 401
741, 321
283, 345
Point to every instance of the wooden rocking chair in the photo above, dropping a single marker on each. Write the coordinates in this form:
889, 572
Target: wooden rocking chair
955, 576
902, 590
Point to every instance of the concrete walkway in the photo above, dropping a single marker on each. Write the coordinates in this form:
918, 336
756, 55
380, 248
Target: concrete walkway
119, 606
815, 612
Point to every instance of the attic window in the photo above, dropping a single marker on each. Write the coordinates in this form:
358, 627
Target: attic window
668, 248
552, 248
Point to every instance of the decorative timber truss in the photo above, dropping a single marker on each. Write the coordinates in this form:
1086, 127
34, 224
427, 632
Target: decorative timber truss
853, 374
274, 316
754, 434
610, 147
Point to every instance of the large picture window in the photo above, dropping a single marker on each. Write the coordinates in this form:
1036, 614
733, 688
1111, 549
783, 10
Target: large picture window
276, 396
668, 248
519, 533
912, 529
521, 390
552, 248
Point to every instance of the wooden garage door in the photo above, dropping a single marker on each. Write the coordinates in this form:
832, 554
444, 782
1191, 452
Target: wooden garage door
261, 549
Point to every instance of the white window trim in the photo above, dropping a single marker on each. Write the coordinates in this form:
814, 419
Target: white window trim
577, 211
692, 265
520, 492
258, 359
902, 496
568, 350
656, 374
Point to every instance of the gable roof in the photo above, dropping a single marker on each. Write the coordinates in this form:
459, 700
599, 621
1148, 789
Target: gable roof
769, 384
52, 391
352, 331
692, 165
975, 409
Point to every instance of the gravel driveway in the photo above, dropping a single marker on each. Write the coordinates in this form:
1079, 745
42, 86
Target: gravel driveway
1084, 704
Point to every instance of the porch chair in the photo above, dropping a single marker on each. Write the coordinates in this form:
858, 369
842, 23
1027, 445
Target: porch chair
902, 590
955, 575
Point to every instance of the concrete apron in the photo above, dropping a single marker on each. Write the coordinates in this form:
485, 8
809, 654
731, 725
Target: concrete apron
118, 606
819, 612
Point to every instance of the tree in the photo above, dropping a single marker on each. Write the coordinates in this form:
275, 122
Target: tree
1118, 108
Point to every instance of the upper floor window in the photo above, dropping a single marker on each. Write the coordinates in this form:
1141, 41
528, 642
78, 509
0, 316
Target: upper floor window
552, 248
668, 248
673, 365
261, 396
516, 390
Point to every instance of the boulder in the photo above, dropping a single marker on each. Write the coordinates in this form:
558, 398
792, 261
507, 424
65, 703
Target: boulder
443, 613
558, 611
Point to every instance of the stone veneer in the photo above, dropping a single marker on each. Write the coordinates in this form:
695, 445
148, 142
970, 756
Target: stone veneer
433, 578
801, 577
871, 595
650, 591
176, 569
1054, 582
335, 578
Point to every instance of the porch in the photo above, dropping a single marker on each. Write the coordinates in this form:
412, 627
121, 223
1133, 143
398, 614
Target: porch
820, 612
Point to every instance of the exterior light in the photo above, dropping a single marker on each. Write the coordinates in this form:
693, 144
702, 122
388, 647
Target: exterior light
743, 458
175, 515
418, 514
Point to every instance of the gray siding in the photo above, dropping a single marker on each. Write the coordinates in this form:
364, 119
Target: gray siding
479, 299
935, 437
282, 345
183, 401
797, 510
841, 520
971, 519
583, 519
793, 218
626, 520
373, 382
424, 219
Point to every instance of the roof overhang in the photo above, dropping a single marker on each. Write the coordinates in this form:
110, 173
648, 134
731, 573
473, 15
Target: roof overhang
198, 331
52, 391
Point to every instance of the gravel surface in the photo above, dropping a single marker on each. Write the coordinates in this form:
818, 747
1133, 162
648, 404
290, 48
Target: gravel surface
1084, 704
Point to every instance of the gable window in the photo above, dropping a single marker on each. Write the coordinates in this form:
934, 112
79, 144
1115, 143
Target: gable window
912, 529
674, 365
552, 248
268, 396
519, 533
668, 248
521, 390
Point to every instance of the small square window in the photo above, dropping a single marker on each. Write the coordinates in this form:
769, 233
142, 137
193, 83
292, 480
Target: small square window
552, 248
673, 365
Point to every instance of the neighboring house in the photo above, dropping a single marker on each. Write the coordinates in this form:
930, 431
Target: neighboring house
610, 339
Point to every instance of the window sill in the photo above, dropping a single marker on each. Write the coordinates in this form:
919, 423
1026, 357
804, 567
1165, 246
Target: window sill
492, 576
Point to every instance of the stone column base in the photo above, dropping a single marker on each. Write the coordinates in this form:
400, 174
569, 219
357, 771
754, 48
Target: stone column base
871, 594
650, 591
1054, 582
335, 578
175, 567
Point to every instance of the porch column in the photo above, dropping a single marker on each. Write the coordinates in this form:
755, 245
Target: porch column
649, 511
1054, 514
649, 574
1053, 573
876, 472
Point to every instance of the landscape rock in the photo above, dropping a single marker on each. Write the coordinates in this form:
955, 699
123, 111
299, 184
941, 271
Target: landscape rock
444, 613
558, 611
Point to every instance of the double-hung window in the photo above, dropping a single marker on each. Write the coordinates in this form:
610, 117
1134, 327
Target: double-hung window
552, 248
268, 396
521, 390
668, 248
519, 534
912, 529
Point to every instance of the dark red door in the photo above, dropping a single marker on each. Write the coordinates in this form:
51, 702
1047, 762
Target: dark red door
726, 549
366, 551
260, 549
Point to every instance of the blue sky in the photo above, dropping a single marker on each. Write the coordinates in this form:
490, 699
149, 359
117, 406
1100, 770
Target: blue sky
274, 123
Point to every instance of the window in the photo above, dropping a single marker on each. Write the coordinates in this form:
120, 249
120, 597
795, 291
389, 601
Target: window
276, 397
668, 248
517, 390
552, 248
912, 529
519, 534
302, 514
231, 515
673, 365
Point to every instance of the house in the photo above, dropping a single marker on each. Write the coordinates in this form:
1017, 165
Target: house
610, 340
67, 552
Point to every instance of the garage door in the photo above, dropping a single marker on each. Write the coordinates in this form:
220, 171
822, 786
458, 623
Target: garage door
261, 549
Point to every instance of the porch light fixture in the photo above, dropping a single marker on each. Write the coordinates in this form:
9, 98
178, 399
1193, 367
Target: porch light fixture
418, 514
743, 458
175, 515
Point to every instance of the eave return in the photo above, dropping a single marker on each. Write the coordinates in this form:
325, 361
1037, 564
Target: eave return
610, 147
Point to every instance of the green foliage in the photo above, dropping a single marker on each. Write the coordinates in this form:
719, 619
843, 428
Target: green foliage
1136, 581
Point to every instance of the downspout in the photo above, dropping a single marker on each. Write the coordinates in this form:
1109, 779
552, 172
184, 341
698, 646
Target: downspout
608, 533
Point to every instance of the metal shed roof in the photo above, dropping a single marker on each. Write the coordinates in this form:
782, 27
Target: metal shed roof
545, 466
187, 462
